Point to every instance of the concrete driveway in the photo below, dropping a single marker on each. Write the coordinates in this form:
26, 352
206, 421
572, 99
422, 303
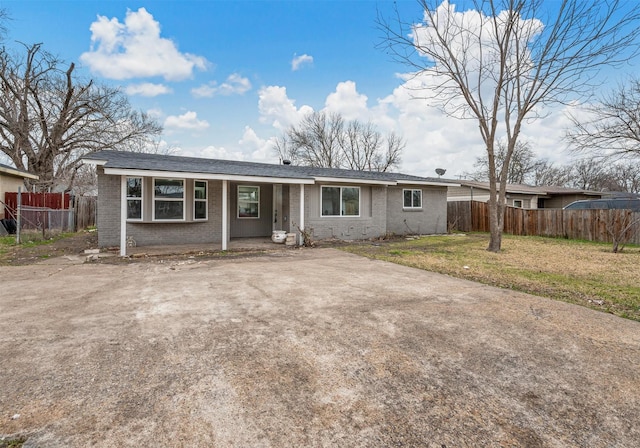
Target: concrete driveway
305, 348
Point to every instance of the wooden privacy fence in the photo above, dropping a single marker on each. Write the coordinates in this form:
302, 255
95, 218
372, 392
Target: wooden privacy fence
55, 201
590, 225
82, 209
85, 207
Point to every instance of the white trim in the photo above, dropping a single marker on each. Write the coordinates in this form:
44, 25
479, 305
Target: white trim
250, 202
341, 187
206, 176
302, 213
18, 173
427, 183
351, 180
205, 200
183, 200
131, 198
261, 179
123, 216
412, 207
225, 214
96, 162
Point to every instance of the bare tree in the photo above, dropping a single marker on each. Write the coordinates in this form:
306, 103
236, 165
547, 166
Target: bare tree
521, 169
360, 145
622, 226
49, 118
499, 64
365, 148
626, 177
545, 173
613, 128
328, 141
316, 140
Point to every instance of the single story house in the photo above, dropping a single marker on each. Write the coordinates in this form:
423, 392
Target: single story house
159, 200
10, 180
523, 196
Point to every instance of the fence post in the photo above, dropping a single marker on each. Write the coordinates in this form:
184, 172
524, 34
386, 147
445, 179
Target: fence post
19, 213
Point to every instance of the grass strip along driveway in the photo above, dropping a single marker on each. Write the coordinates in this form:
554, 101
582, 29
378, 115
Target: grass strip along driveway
578, 272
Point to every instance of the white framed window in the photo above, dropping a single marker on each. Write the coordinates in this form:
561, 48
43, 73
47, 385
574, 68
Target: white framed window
168, 199
248, 202
517, 203
134, 198
340, 201
412, 199
200, 200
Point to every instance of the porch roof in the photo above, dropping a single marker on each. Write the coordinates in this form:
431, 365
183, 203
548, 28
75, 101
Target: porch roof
129, 163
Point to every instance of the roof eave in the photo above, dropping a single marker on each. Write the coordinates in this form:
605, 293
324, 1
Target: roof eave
352, 180
18, 173
97, 162
205, 176
428, 183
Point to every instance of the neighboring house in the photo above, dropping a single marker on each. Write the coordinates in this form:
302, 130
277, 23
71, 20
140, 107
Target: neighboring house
10, 179
523, 196
157, 199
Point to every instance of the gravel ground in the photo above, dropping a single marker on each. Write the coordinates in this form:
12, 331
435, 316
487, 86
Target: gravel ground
304, 348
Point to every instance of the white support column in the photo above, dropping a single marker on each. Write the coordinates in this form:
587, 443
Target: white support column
301, 212
123, 216
225, 212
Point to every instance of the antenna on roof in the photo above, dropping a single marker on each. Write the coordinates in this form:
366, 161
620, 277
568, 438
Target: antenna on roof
440, 171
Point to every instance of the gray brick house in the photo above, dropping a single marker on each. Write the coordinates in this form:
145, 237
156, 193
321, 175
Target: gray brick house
161, 200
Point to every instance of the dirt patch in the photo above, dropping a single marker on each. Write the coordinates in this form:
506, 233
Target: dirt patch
40, 250
305, 348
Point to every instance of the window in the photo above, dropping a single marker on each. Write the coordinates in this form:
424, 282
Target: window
199, 200
340, 201
168, 199
412, 198
248, 202
517, 203
134, 198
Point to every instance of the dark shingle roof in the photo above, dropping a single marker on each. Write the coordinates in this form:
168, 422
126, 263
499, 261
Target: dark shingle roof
158, 162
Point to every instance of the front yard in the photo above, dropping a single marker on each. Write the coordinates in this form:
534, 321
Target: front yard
578, 272
583, 273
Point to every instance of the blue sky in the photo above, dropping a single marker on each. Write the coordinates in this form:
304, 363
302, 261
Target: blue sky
226, 77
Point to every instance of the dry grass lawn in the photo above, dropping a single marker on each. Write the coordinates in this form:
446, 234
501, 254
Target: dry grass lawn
579, 272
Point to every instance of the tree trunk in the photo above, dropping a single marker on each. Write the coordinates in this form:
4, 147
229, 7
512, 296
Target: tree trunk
495, 226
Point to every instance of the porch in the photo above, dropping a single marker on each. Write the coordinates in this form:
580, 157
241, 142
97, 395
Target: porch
235, 244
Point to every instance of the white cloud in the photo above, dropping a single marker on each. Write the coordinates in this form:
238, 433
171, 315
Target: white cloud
155, 113
277, 109
433, 139
213, 152
147, 89
134, 49
261, 149
301, 61
348, 102
235, 84
188, 120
